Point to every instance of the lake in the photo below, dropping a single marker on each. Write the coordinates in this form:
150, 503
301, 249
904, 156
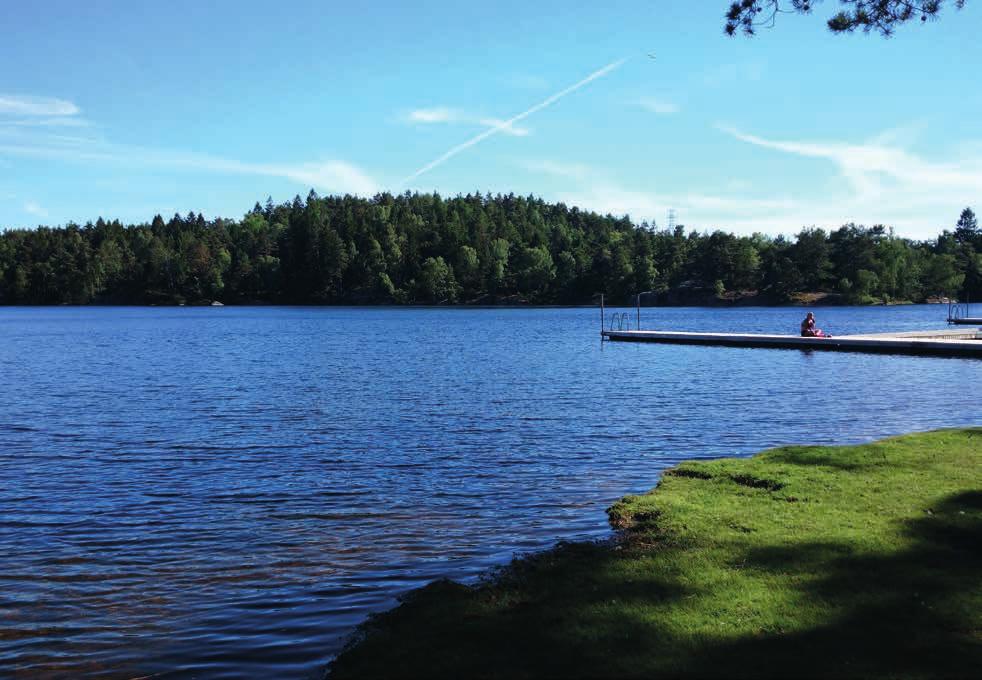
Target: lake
228, 492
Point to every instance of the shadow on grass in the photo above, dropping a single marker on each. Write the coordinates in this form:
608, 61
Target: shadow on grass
587, 610
822, 457
913, 613
518, 625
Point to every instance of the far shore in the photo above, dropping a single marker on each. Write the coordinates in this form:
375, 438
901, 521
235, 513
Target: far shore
722, 303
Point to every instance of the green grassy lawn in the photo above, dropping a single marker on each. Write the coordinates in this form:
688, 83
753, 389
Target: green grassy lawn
798, 562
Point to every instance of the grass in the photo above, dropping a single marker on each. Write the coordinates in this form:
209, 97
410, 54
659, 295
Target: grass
851, 561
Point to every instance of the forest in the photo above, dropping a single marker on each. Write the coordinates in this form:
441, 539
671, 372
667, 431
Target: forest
473, 249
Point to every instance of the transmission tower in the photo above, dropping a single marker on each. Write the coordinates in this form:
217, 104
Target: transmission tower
671, 219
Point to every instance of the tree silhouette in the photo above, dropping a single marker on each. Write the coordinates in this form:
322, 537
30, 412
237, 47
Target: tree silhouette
879, 16
967, 228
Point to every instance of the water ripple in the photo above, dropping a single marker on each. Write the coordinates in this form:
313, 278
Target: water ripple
226, 493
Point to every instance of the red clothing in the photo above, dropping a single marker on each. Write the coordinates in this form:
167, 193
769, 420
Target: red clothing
808, 329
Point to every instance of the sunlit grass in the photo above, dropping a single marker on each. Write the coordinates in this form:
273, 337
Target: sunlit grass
801, 561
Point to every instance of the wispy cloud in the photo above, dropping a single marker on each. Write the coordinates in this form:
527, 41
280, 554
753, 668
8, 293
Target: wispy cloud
64, 121
435, 115
24, 111
703, 211
659, 106
24, 105
866, 164
881, 182
505, 127
446, 115
593, 188
335, 176
33, 208
505, 124
25, 123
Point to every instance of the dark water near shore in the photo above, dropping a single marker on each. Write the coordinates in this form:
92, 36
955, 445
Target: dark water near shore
227, 492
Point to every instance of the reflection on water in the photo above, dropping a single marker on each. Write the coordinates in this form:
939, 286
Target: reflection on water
228, 492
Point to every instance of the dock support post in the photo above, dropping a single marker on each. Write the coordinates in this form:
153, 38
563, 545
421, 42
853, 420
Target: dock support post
639, 312
601, 316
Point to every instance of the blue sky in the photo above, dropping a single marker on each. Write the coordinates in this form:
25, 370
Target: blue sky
129, 109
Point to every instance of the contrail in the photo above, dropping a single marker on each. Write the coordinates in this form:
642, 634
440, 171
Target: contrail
511, 121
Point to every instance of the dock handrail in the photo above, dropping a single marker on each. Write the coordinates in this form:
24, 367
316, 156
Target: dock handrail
957, 310
620, 321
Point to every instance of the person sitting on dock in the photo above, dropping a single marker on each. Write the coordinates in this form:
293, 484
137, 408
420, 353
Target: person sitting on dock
808, 329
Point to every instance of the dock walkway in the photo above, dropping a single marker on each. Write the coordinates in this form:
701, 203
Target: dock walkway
958, 343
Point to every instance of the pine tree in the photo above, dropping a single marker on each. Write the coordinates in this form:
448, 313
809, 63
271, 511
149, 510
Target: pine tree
967, 228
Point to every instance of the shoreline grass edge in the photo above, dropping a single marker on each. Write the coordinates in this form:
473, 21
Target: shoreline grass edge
804, 561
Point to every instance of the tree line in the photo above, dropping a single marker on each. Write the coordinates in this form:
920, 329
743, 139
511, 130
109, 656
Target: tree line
426, 249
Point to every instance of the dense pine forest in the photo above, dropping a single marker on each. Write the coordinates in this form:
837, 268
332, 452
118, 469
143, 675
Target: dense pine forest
425, 249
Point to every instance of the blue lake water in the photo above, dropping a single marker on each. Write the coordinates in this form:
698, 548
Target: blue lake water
227, 492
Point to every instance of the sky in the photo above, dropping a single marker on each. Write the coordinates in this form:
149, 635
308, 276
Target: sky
131, 109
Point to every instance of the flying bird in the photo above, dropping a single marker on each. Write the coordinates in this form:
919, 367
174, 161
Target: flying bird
651, 54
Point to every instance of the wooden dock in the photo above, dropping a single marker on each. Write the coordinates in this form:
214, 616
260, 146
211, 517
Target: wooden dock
948, 343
